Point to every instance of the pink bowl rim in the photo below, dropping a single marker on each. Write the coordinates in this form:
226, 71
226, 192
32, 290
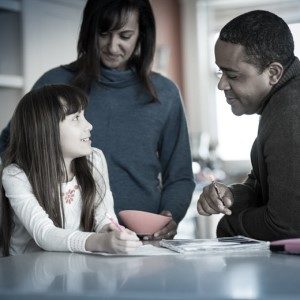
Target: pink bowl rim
142, 211
140, 234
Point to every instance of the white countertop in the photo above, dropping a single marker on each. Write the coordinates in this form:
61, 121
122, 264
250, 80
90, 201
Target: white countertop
50, 275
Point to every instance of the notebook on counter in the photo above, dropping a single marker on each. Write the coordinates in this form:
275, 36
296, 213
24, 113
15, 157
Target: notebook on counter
216, 245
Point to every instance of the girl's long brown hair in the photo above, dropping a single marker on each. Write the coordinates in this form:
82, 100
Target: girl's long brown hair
35, 147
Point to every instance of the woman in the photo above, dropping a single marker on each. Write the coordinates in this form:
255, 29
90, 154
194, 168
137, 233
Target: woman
137, 115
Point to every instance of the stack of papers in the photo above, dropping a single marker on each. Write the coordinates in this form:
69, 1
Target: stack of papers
236, 244
217, 245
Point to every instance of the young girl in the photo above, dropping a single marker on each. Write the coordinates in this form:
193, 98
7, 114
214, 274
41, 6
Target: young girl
55, 187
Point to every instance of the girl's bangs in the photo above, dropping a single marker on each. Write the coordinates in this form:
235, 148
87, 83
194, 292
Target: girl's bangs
71, 103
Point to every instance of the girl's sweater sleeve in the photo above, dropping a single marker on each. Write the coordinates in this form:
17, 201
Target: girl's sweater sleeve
34, 218
104, 195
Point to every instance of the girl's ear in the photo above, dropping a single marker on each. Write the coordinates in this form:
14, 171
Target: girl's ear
275, 72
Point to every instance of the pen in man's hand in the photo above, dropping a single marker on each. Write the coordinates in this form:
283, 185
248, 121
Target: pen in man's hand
224, 209
212, 178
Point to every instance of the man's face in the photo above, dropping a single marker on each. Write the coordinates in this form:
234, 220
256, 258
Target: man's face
243, 84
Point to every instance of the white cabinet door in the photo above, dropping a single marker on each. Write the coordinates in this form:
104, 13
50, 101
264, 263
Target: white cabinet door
50, 32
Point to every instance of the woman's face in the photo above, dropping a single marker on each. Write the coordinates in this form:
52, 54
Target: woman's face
117, 46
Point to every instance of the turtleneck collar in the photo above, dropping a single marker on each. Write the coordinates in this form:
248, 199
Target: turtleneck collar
116, 78
291, 72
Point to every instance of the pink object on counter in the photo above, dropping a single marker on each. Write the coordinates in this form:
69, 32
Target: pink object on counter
288, 245
142, 222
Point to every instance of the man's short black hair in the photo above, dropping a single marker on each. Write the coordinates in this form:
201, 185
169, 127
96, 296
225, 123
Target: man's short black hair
265, 37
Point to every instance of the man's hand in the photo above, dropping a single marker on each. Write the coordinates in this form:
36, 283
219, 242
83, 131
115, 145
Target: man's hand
211, 203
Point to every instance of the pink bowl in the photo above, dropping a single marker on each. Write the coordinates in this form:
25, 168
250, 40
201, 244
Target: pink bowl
142, 222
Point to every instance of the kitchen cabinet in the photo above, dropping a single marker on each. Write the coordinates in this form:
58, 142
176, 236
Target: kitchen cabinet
35, 36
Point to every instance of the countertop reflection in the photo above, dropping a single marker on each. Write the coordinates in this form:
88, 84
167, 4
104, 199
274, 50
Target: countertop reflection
54, 275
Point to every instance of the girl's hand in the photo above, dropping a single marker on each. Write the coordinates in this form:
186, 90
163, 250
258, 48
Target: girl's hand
110, 227
113, 241
122, 241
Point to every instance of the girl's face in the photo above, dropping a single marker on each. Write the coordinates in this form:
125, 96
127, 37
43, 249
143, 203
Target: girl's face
117, 46
75, 133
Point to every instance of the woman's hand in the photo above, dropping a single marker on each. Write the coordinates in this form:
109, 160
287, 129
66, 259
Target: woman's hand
168, 232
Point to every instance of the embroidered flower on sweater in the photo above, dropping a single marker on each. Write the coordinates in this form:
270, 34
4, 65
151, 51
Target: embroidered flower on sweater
69, 196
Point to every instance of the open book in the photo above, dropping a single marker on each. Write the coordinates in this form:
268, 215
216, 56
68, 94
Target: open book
220, 245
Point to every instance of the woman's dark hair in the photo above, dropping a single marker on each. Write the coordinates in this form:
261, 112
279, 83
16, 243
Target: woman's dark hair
265, 37
35, 148
108, 15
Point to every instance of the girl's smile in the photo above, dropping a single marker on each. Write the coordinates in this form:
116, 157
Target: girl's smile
75, 134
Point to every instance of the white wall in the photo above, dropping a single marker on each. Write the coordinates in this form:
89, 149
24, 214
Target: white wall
35, 35
50, 31
201, 19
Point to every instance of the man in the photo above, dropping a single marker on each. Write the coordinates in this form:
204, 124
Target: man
260, 74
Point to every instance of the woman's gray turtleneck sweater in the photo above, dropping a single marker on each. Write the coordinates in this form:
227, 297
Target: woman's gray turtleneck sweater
143, 141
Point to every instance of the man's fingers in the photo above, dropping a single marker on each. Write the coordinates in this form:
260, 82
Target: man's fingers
209, 203
201, 211
200, 208
204, 208
208, 209
227, 200
214, 202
